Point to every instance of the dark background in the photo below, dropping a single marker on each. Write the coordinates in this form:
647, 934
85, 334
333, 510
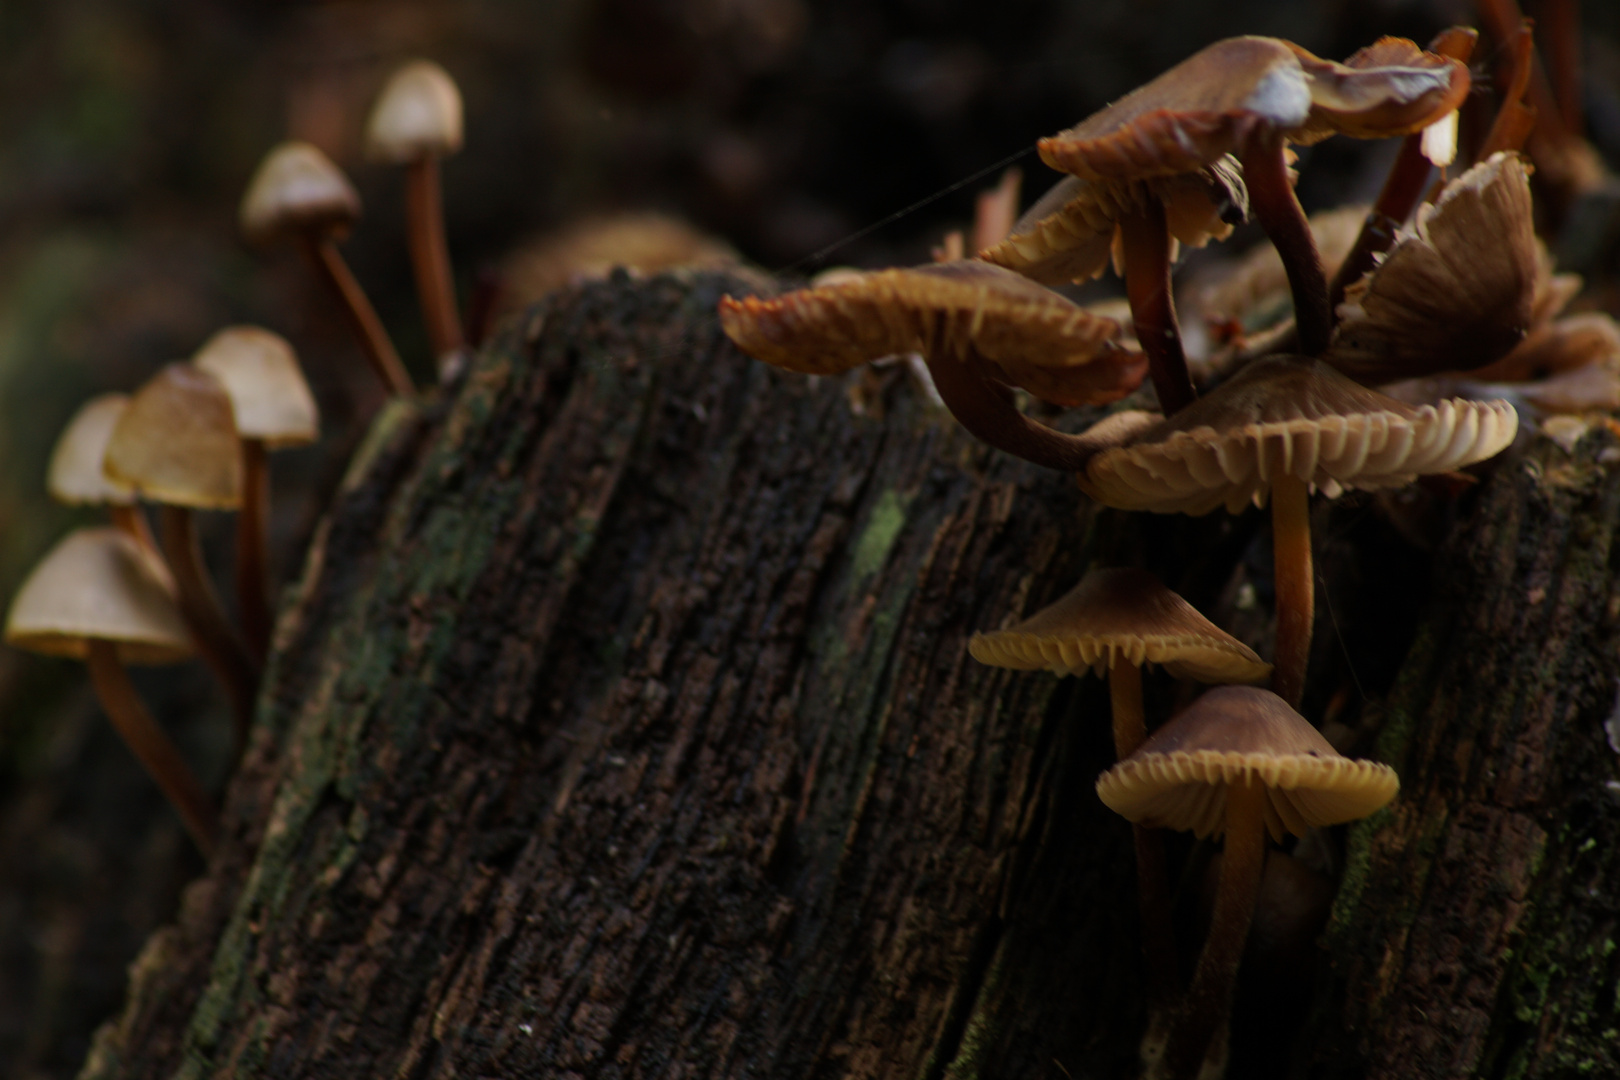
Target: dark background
128, 130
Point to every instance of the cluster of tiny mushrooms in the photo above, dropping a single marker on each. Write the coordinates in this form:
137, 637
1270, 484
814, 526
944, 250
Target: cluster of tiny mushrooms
1442, 278
196, 436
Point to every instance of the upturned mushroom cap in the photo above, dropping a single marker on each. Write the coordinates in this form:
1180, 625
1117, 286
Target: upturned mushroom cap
270, 399
418, 114
1121, 613
1071, 231
97, 584
1289, 416
1178, 778
176, 442
1457, 291
1213, 101
297, 189
1042, 341
75, 475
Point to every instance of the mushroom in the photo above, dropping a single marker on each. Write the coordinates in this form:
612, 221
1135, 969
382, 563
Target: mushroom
1114, 623
1250, 96
416, 121
99, 597
1457, 291
1237, 764
273, 408
1283, 426
298, 193
176, 445
75, 476
980, 328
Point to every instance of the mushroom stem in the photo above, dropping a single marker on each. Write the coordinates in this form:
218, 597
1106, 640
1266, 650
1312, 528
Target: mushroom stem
1295, 585
1146, 241
1272, 200
1152, 879
986, 409
379, 350
155, 751
252, 527
199, 605
1209, 1000
430, 255
130, 520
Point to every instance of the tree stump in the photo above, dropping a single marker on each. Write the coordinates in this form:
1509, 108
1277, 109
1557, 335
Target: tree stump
622, 725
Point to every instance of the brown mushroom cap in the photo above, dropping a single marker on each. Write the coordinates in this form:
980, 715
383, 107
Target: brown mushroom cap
176, 442
417, 114
98, 584
1040, 340
1178, 778
1121, 613
270, 399
75, 475
1070, 232
1457, 291
1288, 416
1392, 87
297, 189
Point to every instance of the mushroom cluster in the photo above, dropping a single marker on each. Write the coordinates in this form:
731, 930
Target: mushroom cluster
1435, 278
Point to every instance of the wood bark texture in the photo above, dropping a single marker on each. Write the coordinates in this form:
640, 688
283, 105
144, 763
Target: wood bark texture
622, 725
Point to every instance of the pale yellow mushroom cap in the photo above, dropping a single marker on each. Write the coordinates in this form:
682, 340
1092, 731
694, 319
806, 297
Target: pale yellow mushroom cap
97, 584
417, 114
297, 188
75, 475
1121, 614
176, 442
1178, 778
260, 372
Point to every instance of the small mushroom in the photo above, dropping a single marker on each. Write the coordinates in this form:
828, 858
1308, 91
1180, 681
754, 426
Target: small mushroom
980, 328
417, 121
176, 445
100, 598
1115, 622
273, 408
298, 193
1284, 426
1237, 764
75, 476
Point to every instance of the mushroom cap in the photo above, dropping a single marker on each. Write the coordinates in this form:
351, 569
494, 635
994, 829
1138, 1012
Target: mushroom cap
1188, 117
75, 475
1070, 232
1121, 613
1212, 102
1290, 416
176, 442
1038, 339
1178, 777
1392, 87
269, 398
97, 584
1458, 289
418, 114
297, 189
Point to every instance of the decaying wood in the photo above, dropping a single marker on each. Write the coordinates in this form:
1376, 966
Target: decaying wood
622, 725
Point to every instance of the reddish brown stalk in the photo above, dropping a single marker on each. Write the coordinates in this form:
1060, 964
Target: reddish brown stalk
986, 409
1295, 584
1208, 1005
379, 350
1146, 240
1561, 26
1152, 878
216, 641
430, 255
1514, 118
1272, 201
252, 527
155, 751
1502, 18
130, 520
1403, 188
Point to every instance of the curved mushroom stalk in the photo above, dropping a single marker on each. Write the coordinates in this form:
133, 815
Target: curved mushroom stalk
1274, 205
1146, 242
329, 263
215, 638
1295, 585
252, 529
